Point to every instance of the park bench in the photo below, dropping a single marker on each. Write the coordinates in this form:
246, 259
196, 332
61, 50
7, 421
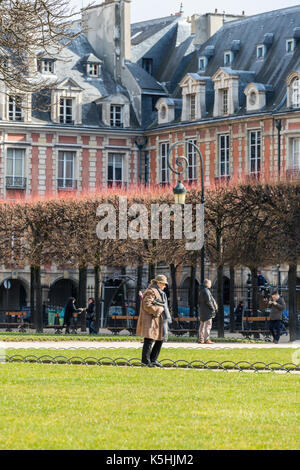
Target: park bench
178, 328
115, 328
16, 322
255, 326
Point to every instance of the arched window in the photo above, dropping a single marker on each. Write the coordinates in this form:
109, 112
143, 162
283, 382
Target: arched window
295, 89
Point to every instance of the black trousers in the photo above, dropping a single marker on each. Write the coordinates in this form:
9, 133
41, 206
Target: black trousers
151, 351
275, 327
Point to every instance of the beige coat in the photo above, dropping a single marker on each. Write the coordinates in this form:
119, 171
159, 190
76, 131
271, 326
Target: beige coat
150, 322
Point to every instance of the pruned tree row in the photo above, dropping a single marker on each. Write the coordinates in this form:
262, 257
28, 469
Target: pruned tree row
245, 225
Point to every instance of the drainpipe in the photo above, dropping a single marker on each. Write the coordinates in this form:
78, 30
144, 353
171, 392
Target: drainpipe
140, 142
278, 125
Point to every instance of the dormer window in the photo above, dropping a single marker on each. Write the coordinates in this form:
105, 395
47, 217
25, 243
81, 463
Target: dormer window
228, 58
257, 95
226, 87
163, 112
192, 106
93, 70
202, 63
14, 108
147, 64
166, 109
224, 101
66, 102
46, 66
116, 115
295, 88
260, 51
66, 111
290, 45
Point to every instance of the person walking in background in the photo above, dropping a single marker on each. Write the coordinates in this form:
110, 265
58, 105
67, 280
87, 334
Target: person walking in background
238, 313
208, 310
90, 316
277, 305
150, 324
70, 309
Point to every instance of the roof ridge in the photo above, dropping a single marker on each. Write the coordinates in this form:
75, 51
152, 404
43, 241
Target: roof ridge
139, 23
265, 13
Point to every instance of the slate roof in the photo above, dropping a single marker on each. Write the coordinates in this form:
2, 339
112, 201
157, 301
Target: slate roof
143, 30
271, 28
147, 83
168, 42
71, 64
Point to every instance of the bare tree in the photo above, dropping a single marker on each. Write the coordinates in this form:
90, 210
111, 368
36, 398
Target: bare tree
29, 27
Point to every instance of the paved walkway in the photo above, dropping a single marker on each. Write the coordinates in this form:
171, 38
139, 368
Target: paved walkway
137, 345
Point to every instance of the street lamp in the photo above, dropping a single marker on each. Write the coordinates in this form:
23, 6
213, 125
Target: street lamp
179, 193
179, 190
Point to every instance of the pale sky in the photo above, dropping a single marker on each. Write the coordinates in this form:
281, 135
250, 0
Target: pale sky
147, 9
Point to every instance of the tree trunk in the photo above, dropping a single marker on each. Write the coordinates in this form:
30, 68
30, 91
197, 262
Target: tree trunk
192, 291
173, 270
254, 291
124, 293
151, 271
38, 299
32, 297
97, 296
220, 301
82, 294
293, 320
139, 283
231, 300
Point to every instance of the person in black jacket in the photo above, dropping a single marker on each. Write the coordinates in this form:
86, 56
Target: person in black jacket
90, 316
208, 309
70, 309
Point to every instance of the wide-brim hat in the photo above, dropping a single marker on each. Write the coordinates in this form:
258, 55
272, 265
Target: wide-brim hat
161, 278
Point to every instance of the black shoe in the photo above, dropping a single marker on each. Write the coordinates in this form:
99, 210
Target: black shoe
156, 364
146, 364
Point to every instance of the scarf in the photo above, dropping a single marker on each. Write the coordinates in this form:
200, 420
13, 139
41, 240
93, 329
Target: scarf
166, 312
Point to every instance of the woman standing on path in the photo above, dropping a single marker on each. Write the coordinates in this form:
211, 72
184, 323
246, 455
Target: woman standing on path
154, 308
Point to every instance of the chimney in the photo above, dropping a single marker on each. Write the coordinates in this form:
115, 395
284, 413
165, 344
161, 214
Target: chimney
107, 28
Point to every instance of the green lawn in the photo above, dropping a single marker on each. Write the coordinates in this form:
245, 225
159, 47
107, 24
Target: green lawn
30, 336
80, 407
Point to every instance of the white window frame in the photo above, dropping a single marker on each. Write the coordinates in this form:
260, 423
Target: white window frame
224, 102
92, 69
15, 112
192, 100
114, 181
116, 116
47, 66
294, 160
254, 151
224, 146
290, 44
228, 54
192, 156
262, 48
163, 159
64, 116
13, 157
65, 154
204, 61
295, 92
